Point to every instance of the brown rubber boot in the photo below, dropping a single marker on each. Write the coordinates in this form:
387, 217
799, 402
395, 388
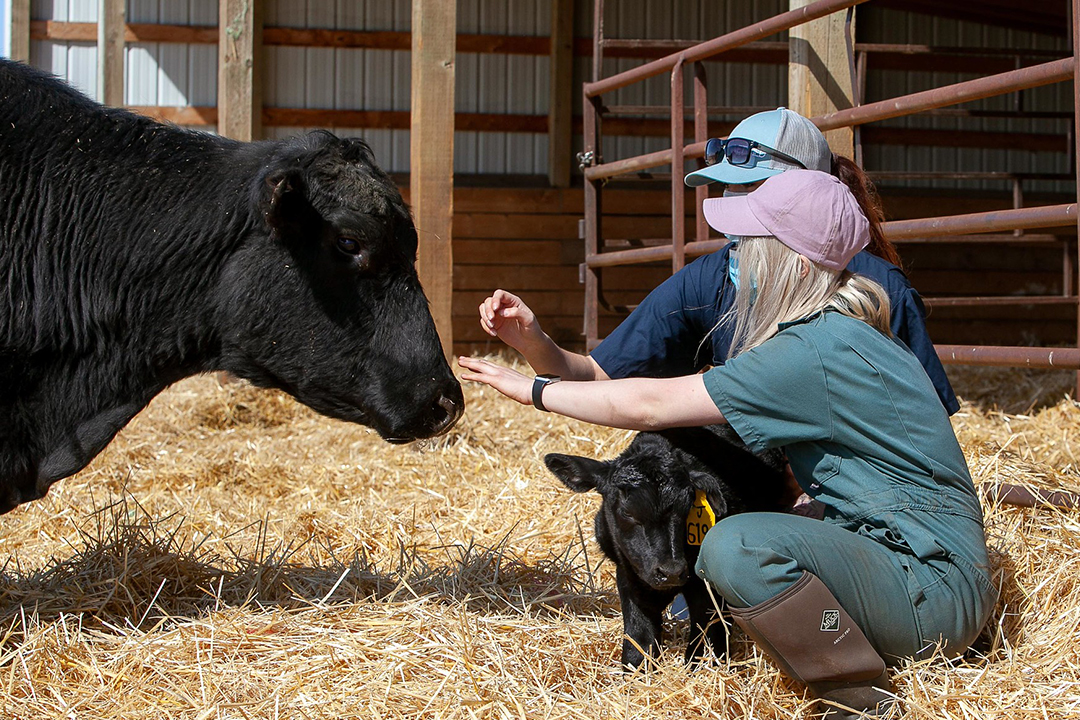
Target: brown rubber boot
806, 632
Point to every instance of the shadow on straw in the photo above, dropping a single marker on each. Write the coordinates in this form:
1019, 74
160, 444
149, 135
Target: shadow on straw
131, 572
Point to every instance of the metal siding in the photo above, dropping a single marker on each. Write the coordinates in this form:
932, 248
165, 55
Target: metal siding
171, 74
889, 26
522, 75
467, 89
729, 84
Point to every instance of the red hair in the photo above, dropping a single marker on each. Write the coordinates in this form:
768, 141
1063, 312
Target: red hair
866, 195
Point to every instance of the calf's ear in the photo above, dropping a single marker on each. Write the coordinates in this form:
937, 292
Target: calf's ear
284, 198
580, 474
713, 493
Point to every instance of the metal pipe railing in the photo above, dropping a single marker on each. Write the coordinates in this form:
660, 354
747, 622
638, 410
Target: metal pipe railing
993, 221
1044, 358
1076, 139
1023, 79
731, 40
920, 230
985, 222
1006, 82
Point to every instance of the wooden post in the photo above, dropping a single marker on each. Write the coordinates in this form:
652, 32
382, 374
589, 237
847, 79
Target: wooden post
240, 26
561, 92
431, 159
819, 75
1075, 43
20, 31
110, 51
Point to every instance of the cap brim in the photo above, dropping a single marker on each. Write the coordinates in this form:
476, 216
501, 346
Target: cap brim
733, 216
725, 172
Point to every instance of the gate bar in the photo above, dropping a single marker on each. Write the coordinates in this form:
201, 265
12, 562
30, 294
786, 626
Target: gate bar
984, 87
1036, 217
742, 36
1043, 358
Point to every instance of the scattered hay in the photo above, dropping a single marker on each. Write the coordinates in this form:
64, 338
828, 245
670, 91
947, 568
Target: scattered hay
233, 555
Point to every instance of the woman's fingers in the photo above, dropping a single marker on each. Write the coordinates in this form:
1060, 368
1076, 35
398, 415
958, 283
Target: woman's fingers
496, 309
486, 319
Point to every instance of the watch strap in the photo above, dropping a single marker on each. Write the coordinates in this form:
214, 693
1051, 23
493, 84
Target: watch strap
539, 383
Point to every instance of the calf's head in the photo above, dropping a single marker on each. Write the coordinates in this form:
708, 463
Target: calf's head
322, 299
647, 493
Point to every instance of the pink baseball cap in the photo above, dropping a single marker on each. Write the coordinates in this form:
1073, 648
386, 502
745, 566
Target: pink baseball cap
811, 212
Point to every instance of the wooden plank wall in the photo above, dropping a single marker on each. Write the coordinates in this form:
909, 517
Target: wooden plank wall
526, 241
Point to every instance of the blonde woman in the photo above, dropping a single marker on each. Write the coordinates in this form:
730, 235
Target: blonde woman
899, 567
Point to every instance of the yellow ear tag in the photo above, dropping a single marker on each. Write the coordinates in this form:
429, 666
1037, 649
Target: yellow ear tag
700, 519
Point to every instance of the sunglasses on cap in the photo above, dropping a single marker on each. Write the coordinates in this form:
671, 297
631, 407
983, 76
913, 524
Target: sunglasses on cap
738, 151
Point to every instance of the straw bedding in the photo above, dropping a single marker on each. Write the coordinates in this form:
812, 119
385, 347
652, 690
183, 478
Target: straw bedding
234, 555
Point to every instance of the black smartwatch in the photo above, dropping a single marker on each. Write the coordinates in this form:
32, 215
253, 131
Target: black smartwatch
539, 382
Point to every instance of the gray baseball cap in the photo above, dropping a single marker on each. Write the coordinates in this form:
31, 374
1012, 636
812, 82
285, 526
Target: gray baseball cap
780, 129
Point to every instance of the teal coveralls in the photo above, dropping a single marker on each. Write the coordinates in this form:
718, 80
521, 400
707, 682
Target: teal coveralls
902, 546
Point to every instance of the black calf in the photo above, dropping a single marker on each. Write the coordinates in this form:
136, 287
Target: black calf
651, 521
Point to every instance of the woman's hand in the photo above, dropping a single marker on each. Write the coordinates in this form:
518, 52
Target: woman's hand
509, 382
505, 316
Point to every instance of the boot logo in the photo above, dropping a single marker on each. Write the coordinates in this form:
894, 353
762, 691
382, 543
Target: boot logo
830, 621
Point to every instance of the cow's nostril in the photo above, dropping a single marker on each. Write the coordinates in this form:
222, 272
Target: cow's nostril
447, 413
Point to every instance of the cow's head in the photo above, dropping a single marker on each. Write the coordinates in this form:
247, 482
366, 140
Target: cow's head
323, 300
647, 494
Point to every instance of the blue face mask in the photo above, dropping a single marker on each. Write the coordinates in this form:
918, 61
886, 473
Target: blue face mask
733, 267
733, 260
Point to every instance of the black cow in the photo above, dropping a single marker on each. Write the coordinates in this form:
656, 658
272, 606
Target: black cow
134, 254
648, 526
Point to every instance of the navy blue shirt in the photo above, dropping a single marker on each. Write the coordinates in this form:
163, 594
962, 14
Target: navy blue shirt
668, 334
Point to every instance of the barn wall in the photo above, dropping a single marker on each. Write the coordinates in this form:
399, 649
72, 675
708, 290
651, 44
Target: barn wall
495, 229
155, 73
527, 239
171, 74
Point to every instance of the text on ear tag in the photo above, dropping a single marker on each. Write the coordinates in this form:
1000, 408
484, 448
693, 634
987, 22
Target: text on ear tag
700, 519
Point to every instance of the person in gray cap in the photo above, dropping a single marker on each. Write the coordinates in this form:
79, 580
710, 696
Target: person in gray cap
676, 329
898, 566
761, 146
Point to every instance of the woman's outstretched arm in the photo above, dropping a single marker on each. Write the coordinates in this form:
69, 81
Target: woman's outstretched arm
630, 403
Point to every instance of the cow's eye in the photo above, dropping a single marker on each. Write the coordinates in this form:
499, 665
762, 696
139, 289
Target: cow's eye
348, 245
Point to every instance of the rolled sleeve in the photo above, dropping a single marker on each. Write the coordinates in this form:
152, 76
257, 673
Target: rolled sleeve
775, 394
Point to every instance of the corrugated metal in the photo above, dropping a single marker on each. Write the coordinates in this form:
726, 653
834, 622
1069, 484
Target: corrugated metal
729, 84
502, 84
75, 61
172, 74
889, 26
155, 73
342, 79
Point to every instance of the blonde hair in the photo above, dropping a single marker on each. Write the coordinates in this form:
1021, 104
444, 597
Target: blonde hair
773, 290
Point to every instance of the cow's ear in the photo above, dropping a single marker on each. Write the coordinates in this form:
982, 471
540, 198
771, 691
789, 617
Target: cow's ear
283, 198
713, 493
580, 474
